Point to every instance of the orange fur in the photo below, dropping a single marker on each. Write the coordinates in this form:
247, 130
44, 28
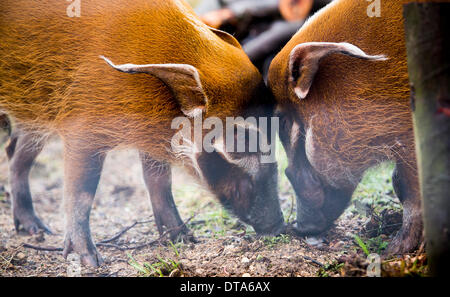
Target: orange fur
52, 79
358, 110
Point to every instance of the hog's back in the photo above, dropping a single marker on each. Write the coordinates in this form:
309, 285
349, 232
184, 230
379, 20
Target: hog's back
51, 76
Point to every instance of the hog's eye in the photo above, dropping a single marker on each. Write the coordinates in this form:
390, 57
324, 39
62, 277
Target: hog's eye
285, 122
236, 156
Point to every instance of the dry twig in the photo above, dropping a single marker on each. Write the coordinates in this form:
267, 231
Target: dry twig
124, 230
107, 242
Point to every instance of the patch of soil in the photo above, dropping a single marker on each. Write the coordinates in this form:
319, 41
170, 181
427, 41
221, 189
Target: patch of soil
122, 200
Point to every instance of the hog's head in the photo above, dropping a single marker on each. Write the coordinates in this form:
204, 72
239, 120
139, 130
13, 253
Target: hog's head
218, 84
291, 76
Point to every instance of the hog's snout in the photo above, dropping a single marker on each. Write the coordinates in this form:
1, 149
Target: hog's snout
266, 216
310, 221
271, 229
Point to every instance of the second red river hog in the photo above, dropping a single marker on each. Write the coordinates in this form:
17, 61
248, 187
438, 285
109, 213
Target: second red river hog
343, 95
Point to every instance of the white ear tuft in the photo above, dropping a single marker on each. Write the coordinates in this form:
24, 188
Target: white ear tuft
301, 94
354, 51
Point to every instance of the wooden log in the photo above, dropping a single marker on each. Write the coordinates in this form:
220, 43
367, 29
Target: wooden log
428, 48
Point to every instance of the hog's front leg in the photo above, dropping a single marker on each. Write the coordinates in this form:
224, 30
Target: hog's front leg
406, 186
82, 173
158, 180
22, 150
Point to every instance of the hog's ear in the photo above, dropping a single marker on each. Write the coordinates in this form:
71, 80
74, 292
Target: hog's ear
305, 58
182, 79
226, 37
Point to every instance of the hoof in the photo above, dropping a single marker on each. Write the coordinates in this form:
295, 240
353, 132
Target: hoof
183, 234
402, 244
30, 223
89, 256
187, 237
94, 260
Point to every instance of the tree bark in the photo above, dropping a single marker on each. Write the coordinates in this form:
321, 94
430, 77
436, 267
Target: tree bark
428, 50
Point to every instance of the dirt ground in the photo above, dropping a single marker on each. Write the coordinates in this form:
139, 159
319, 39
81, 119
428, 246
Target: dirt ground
225, 247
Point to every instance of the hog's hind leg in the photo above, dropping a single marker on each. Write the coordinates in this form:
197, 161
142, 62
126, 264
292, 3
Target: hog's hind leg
158, 180
22, 151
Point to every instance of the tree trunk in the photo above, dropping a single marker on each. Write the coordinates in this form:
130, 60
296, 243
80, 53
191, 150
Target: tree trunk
428, 51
